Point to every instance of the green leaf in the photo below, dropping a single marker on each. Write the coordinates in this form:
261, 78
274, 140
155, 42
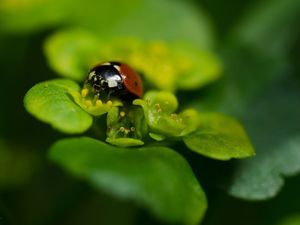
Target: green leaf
159, 108
34, 15
30, 15
257, 89
191, 24
51, 102
263, 177
71, 53
273, 125
135, 17
195, 67
269, 107
157, 177
219, 137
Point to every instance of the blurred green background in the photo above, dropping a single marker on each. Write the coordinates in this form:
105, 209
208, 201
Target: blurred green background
258, 43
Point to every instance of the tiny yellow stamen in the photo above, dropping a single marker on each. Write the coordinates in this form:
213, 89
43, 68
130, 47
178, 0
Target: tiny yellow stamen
174, 116
88, 103
157, 106
91, 75
98, 102
84, 92
109, 103
122, 114
147, 101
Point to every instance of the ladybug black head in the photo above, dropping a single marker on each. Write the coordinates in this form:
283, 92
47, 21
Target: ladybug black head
115, 79
105, 78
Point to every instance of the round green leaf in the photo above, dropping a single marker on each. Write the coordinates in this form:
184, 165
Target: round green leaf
71, 53
51, 102
156, 177
219, 137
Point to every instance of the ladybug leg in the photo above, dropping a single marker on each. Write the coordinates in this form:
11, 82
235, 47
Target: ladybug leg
97, 88
96, 97
110, 92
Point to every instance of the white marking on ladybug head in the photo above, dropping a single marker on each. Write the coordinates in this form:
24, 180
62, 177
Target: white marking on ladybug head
92, 74
117, 67
113, 81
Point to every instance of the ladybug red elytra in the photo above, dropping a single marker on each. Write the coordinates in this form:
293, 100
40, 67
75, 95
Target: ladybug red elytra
115, 79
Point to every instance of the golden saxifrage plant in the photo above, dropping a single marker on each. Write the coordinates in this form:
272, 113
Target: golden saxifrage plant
138, 162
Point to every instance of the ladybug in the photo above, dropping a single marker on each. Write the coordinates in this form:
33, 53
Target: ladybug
115, 79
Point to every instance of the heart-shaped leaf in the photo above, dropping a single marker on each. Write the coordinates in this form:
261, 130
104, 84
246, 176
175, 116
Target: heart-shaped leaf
156, 177
51, 102
219, 137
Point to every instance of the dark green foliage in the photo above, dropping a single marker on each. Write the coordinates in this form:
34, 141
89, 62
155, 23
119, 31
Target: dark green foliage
221, 79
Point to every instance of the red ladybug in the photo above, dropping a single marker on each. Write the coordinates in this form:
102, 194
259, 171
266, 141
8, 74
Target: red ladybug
115, 79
